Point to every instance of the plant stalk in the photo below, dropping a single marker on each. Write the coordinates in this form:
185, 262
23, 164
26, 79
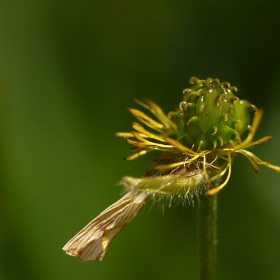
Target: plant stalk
207, 237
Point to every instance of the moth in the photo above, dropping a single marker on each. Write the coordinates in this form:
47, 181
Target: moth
92, 242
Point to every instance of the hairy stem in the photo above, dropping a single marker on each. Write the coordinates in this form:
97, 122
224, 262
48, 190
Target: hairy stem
207, 237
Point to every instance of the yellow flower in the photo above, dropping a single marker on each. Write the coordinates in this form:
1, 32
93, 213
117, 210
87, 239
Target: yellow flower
218, 119
197, 143
160, 140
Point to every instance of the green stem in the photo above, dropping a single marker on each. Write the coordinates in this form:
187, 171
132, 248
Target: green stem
207, 237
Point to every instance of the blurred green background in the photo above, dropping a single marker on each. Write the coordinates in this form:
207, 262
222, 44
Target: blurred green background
68, 71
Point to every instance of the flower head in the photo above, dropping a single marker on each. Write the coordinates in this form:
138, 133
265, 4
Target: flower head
204, 132
197, 142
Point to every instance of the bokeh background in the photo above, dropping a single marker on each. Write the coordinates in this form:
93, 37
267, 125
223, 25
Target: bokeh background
68, 72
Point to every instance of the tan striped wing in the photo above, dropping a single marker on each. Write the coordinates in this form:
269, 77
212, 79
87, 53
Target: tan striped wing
92, 242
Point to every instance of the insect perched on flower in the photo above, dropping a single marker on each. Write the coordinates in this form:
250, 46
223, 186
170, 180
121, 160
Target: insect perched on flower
197, 142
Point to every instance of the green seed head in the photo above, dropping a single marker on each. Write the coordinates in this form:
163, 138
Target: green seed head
211, 116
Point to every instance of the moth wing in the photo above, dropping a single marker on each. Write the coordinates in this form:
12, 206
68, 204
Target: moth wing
92, 242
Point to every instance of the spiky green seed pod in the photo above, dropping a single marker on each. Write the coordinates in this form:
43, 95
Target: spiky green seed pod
211, 116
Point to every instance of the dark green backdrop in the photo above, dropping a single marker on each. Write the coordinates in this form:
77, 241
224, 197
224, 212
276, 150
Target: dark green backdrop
68, 71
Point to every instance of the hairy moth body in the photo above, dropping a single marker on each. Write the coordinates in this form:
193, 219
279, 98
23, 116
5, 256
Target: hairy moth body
179, 183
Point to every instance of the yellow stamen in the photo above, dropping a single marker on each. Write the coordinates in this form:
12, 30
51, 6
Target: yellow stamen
156, 110
146, 120
217, 189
